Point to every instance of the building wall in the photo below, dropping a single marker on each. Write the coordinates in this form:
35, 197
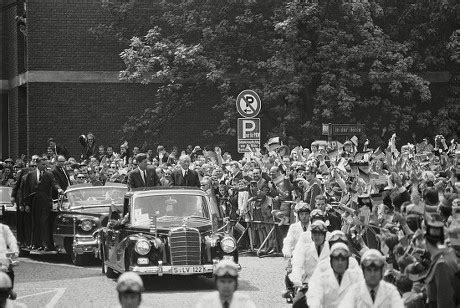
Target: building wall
65, 111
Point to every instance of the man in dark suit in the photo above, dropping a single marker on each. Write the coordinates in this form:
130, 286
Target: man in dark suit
38, 191
142, 176
61, 175
185, 176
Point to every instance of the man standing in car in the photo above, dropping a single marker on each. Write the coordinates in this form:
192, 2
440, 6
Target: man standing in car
185, 176
142, 176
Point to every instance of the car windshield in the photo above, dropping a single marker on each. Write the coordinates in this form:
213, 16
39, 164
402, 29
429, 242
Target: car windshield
167, 206
95, 196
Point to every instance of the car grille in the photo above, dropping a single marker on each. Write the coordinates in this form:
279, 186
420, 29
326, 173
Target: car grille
185, 246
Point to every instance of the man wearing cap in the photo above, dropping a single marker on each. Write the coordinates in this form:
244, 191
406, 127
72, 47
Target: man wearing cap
440, 280
129, 288
306, 257
226, 278
143, 175
185, 176
289, 243
328, 287
373, 292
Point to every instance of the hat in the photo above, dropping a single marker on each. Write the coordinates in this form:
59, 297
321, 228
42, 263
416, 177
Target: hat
5, 281
302, 207
340, 249
50, 140
434, 230
317, 214
348, 142
337, 236
372, 257
318, 226
226, 268
130, 282
301, 168
9, 160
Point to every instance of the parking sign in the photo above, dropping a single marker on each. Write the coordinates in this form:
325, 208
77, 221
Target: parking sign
248, 134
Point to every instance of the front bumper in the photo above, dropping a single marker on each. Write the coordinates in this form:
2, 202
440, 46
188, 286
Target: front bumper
161, 269
85, 244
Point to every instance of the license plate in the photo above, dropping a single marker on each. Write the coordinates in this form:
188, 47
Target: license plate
228, 258
142, 261
187, 269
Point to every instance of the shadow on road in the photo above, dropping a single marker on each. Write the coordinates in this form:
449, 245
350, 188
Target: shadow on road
61, 259
187, 283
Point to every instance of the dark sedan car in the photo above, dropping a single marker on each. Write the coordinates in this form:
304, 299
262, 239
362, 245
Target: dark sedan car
167, 231
82, 211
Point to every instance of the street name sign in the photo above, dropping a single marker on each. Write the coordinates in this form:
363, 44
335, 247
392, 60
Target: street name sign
342, 129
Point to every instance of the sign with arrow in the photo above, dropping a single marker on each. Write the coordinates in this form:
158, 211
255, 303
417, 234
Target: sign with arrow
248, 104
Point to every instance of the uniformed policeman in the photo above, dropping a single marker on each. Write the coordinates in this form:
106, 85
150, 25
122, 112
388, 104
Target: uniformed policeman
130, 287
440, 280
295, 230
305, 260
226, 296
373, 292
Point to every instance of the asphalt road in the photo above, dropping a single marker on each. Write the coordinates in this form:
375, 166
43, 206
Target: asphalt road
52, 281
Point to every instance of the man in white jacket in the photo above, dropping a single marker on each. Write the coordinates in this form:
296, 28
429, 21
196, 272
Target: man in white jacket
226, 296
289, 243
305, 259
327, 287
373, 291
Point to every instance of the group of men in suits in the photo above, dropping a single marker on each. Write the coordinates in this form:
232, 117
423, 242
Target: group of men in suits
33, 194
146, 176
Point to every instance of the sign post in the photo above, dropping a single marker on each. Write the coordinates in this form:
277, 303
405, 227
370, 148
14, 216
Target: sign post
341, 130
248, 105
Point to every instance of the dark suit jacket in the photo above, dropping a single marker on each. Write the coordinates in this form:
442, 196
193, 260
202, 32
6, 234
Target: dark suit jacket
190, 180
135, 178
60, 177
43, 187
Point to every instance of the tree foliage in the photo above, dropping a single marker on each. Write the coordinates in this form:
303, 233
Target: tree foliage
310, 63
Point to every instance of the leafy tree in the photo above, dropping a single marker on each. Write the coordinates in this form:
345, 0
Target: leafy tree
310, 63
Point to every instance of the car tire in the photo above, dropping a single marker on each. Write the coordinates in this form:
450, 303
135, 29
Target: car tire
24, 253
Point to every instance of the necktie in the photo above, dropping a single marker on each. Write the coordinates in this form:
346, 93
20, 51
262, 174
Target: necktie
318, 249
226, 305
373, 295
304, 228
145, 177
339, 278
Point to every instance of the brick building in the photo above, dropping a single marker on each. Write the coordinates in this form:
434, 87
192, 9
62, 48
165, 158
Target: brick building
61, 81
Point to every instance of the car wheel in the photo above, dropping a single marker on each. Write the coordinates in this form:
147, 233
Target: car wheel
24, 253
79, 260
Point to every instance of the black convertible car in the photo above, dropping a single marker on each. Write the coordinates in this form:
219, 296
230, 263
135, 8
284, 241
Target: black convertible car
165, 231
78, 214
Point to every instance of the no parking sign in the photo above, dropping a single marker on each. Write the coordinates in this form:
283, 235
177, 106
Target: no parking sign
248, 104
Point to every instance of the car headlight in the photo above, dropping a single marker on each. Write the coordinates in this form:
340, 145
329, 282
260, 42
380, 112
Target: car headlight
228, 244
86, 225
142, 247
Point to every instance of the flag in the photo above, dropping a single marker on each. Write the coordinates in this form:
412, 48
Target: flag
273, 143
354, 139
